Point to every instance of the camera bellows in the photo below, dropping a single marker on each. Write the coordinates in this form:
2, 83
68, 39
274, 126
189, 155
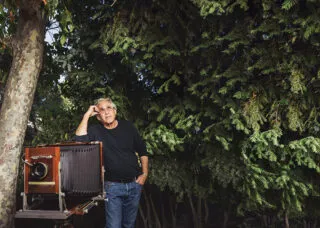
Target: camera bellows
80, 169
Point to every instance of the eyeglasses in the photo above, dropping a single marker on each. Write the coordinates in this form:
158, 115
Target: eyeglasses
108, 108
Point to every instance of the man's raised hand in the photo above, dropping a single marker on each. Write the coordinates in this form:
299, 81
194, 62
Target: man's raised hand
92, 111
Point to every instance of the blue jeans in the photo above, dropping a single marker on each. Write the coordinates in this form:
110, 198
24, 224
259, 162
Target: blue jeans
122, 203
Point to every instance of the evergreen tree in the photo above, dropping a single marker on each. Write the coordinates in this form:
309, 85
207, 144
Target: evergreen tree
224, 93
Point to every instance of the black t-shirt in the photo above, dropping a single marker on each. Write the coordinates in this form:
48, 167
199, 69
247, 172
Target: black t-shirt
120, 146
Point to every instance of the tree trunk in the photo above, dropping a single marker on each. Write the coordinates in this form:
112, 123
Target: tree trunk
286, 220
173, 211
206, 212
143, 217
199, 212
194, 213
149, 219
163, 214
154, 210
18, 99
315, 223
226, 215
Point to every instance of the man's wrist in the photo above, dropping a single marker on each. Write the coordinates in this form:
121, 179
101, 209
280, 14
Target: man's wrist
144, 174
86, 116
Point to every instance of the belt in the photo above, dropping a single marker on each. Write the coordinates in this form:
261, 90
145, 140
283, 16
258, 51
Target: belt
123, 180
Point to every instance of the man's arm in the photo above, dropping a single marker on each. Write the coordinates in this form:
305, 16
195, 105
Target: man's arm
144, 165
83, 126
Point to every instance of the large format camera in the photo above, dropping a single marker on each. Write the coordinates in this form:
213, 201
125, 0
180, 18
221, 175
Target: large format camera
61, 180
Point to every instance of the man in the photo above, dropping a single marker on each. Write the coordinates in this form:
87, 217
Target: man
123, 177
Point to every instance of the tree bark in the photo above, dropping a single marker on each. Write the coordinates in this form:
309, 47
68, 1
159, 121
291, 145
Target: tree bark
194, 213
286, 220
199, 212
149, 219
18, 98
206, 212
163, 214
154, 210
226, 215
315, 223
173, 211
143, 217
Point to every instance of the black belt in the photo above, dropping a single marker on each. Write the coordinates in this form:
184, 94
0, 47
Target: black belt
122, 180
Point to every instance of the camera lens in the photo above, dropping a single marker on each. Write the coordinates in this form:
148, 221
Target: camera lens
39, 171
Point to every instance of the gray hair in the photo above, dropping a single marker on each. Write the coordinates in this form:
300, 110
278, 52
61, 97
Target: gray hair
107, 99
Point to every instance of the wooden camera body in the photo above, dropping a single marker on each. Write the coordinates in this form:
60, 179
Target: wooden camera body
69, 175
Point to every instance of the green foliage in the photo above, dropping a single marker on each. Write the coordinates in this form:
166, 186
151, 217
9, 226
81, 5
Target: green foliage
160, 140
285, 172
52, 7
297, 85
288, 4
223, 92
230, 81
209, 7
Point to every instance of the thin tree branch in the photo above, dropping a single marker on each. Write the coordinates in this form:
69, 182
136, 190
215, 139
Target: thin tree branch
114, 2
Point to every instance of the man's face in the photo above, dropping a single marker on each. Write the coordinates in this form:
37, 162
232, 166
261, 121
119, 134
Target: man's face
107, 114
